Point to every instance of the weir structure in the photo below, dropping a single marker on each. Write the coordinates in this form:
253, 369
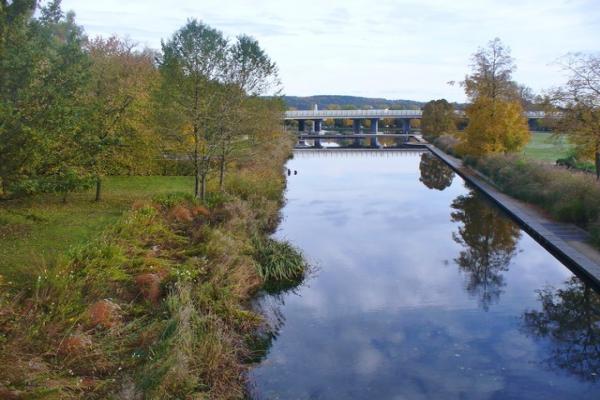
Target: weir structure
402, 118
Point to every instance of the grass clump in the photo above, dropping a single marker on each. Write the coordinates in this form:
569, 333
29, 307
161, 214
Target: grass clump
278, 260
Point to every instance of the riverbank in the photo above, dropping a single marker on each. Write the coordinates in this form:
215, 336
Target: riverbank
567, 242
156, 306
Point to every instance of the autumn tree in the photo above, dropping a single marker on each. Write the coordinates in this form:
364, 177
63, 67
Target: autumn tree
494, 127
578, 103
193, 63
249, 73
496, 120
489, 241
438, 118
491, 73
117, 138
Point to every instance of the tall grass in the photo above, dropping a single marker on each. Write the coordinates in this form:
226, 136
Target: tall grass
157, 306
568, 196
278, 260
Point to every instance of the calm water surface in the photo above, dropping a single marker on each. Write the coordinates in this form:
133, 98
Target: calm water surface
423, 291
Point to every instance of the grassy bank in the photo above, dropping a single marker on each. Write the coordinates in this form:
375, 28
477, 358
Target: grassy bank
567, 195
544, 146
34, 231
155, 306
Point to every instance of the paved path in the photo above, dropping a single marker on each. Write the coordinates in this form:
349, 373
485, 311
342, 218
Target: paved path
567, 242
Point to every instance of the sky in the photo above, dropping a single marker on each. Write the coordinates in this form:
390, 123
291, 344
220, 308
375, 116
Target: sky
395, 49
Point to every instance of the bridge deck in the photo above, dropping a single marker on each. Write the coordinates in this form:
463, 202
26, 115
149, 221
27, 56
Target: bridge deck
379, 114
305, 136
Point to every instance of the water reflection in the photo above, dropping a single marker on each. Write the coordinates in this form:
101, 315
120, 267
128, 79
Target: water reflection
388, 316
269, 305
570, 321
490, 242
434, 173
374, 142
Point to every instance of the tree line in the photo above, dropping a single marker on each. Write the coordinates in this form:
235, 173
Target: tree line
74, 109
494, 115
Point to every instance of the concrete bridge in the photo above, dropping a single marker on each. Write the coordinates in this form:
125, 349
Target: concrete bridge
402, 118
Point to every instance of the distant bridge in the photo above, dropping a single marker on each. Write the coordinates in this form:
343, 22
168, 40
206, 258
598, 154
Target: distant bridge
402, 117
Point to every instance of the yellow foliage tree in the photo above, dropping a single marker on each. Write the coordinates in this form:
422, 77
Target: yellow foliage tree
495, 126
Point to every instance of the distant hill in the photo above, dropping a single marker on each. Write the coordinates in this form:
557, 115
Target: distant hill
307, 103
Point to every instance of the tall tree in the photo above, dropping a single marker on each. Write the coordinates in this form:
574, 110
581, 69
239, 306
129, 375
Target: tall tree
117, 138
249, 72
496, 120
17, 60
491, 73
193, 61
45, 70
494, 127
438, 118
579, 104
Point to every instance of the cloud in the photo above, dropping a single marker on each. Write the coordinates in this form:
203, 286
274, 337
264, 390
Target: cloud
391, 48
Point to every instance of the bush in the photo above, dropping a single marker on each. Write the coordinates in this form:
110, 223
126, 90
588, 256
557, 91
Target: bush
569, 197
448, 144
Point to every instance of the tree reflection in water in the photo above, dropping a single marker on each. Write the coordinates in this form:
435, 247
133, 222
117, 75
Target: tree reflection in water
268, 304
570, 320
434, 173
490, 241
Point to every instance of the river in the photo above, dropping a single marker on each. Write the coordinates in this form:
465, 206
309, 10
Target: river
421, 289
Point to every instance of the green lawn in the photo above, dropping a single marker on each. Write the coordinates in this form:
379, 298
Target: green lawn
546, 147
35, 231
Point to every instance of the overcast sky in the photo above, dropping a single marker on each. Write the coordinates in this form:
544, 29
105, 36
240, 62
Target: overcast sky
397, 49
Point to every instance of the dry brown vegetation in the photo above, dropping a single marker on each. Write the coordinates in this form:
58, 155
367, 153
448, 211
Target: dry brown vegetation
157, 307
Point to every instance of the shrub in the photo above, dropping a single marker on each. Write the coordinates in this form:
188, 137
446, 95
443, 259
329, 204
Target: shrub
569, 196
448, 144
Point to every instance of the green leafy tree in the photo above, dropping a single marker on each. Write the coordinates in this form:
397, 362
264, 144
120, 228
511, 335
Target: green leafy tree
438, 118
43, 71
249, 73
192, 64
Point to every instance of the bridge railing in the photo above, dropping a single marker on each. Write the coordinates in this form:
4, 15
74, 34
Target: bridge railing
413, 114
308, 114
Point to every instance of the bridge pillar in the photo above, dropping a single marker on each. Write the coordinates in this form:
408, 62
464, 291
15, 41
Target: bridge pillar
406, 126
301, 125
374, 125
356, 126
318, 126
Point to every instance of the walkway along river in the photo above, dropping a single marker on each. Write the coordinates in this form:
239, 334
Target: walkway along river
423, 290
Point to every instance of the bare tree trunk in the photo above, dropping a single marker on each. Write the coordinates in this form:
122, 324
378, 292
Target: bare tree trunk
222, 171
196, 165
597, 165
203, 187
4, 187
98, 188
